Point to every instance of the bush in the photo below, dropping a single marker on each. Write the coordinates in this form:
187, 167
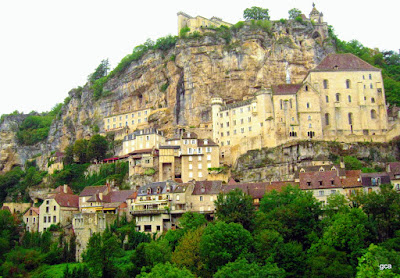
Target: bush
149, 172
183, 32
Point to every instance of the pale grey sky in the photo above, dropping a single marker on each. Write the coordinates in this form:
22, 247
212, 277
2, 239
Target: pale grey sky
48, 47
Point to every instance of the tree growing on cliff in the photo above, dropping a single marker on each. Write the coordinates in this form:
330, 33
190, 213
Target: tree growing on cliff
294, 13
256, 13
100, 71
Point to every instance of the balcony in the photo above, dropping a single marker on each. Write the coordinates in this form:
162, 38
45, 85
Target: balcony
149, 212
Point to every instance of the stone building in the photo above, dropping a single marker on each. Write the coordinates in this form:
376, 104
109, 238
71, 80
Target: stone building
17, 208
142, 139
199, 23
56, 163
91, 196
187, 157
202, 197
31, 219
152, 207
393, 169
341, 99
142, 160
58, 208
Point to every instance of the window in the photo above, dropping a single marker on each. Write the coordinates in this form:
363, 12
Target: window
199, 158
348, 84
321, 193
190, 174
242, 130
54, 219
199, 150
55, 208
27, 219
308, 105
363, 76
306, 88
185, 142
350, 116
308, 183
222, 134
249, 119
234, 122
139, 114
309, 118
190, 150
222, 125
281, 103
222, 143
226, 114
249, 128
373, 114
370, 85
114, 119
193, 141
190, 166
208, 149
133, 115
49, 219
47, 209
44, 219
241, 121
337, 97
325, 82
139, 121
133, 122
333, 191
201, 198
327, 119
190, 158
327, 99
372, 100
290, 101
208, 165
234, 131
200, 166
310, 125
241, 110
227, 133
320, 183
227, 124
228, 142
47, 202
120, 124
349, 97
200, 174
370, 76
120, 118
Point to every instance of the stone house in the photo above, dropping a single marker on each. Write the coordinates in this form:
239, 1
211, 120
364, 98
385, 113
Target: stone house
393, 169
142, 160
56, 162
141, 139
17, 208
152, 208
203, 196
91, 196
128, 121
372, 181
31, 219
187, 157
58, 208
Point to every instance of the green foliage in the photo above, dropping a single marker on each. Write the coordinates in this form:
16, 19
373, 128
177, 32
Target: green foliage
237, 207
2, 118
73, 175
187, 253
166, 270
293, 212
351, 163
100, 71
265, 25
34, 129
242, 268
256, 13
164, 87
369, 265
294, 13
165, 43
222, 243
183, 32
192, 220
149, 172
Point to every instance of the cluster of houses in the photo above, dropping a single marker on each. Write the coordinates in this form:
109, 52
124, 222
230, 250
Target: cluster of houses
157, 207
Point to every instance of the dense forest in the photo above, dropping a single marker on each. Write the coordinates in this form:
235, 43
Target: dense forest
290, 235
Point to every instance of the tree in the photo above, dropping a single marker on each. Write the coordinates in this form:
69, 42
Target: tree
166, 270
236, 206
192, 220
242, 268
100, 71
187, 253
256, 13
222, 243
294, 213
375, 263
69, 155
8, 232
97, 147
294, 13
80, 150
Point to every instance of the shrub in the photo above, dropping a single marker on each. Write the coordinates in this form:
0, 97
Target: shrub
149, 172
183, 32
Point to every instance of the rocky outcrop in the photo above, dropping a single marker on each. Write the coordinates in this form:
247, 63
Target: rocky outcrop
280, 163
180, 82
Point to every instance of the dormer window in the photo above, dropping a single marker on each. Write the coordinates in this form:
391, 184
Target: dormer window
320, 183
308, 183
148, 190
205, 141
158, 190
302, 170
321, 169
333, 169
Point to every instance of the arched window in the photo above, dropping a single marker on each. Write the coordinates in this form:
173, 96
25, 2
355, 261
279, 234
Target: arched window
348, 84
326, 84
327, 119
373, 100
373, 114
337, 97
349, 97
308, 105
309, 118
350, 115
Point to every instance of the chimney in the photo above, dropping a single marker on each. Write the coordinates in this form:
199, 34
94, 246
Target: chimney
101, 196
65, 188
342, 163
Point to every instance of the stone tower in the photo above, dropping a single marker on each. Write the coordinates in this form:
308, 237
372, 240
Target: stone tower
320, 27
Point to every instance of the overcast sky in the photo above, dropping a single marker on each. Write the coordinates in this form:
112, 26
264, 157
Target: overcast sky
50, 47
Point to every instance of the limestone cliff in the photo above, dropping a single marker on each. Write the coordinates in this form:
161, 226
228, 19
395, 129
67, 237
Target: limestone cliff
181, 81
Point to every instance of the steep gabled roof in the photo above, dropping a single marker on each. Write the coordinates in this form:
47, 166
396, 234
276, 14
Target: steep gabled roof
207, 187
118, 196
286, 89
60, 189
319, 180
256, 190
344, 62
394, 169
67, 200
211, 143
92, 190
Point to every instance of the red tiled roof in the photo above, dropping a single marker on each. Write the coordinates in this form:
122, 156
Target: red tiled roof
118, 196
344, 62
60, 189
91, 190
95, 198
278, 185
133, 195
189, 135
67, 200
232, 181
313, 180
394, 168
207, 187
286, 89
255, 190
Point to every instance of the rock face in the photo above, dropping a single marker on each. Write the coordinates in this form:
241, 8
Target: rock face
181, 81
280, 163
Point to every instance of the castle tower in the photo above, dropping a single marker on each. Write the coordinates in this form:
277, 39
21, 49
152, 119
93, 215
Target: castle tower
320, 27
216, 106
316, 16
